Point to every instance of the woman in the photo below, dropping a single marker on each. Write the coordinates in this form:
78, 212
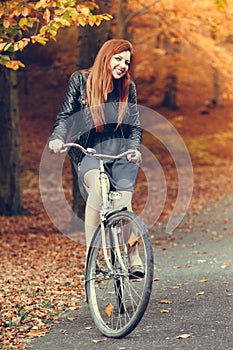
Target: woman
101, 107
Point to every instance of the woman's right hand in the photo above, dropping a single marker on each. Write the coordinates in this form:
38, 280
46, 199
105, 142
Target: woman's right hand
55, 145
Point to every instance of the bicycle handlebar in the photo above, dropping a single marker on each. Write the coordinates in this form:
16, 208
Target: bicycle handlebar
91, 152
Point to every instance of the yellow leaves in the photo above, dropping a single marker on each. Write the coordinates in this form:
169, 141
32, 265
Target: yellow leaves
13, 64
23, 22
46, 15
84, 10
49, 16
203, 281
25, 11
81, 21
6, 23
40, 4
21, 44
5, 46
39, 39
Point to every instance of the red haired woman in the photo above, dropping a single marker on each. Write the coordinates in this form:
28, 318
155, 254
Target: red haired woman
100, 105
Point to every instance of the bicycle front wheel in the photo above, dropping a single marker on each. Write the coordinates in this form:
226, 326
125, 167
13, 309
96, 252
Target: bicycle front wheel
118, 296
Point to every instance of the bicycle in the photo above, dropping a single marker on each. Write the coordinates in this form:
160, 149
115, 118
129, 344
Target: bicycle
117, 297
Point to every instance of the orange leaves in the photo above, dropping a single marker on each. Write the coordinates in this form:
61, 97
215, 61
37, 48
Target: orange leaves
108, 310
25, 12
42, 276
132, 240
165, 301
49, 17
6, 23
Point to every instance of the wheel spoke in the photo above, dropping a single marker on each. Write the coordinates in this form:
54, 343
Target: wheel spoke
118, 302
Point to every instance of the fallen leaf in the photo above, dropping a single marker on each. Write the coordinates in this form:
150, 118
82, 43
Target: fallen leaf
164, 311
71, 318
183, 336
34, 333
132, 240
96, 341
108, 310
219, 238
200, 293
214, 233
224, 266
165, 301
203, 281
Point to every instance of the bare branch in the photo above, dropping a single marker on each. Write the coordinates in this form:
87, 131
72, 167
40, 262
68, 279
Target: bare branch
140, 11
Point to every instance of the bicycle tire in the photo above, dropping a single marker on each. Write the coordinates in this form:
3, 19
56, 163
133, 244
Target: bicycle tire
118, 301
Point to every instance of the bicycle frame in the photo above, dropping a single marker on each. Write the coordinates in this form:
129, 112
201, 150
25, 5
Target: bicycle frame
105, 207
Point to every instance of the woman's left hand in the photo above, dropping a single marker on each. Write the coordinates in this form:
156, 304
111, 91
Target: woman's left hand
135, 156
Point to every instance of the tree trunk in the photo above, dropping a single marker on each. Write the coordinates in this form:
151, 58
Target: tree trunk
90, 39
170, 94
122, 20
10, 155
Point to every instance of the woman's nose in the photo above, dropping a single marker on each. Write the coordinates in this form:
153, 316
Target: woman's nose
122, 64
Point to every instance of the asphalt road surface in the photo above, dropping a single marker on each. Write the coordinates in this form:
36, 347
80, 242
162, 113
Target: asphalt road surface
192, 300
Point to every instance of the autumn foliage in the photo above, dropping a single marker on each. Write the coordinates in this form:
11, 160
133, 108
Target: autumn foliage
41, 269
22, 22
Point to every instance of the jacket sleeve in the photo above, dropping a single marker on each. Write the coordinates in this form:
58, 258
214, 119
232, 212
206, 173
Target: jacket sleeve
70, 105
133, 123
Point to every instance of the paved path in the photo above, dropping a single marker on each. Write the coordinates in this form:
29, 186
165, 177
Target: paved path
194, 272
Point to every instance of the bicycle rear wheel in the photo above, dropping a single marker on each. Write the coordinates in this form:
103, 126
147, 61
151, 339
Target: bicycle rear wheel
118, 299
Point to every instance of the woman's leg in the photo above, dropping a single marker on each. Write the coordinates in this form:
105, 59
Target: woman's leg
93, 205
125, 200
134, 258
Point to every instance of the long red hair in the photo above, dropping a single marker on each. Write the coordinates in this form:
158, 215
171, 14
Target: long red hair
100, 81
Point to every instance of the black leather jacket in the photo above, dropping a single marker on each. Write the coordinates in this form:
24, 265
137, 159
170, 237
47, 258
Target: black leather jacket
74, 117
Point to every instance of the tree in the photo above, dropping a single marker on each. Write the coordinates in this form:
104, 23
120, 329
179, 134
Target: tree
10, 158
20, 23
164, 31
91, 39
89, 42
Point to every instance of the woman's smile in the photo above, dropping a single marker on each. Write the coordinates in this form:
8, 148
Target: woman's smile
120, 64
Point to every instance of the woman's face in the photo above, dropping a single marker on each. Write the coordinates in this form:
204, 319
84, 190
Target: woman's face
120, 63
